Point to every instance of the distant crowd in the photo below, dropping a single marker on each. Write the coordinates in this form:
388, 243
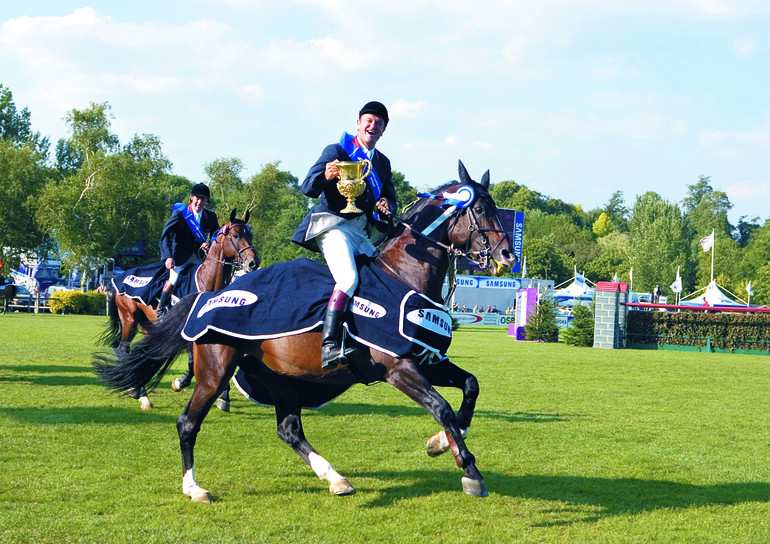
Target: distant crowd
477, 309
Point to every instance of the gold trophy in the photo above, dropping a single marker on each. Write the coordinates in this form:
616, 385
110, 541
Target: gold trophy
351, 183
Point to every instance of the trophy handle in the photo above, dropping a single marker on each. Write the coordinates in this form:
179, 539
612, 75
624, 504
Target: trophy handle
367, 168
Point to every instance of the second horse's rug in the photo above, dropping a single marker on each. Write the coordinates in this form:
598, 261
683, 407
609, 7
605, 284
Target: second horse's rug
290, 298
145, 283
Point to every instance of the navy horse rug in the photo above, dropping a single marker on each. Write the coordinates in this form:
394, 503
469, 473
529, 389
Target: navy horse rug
290, 298
145, 283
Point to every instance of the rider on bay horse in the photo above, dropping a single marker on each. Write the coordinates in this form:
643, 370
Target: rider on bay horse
342, 236
188, 230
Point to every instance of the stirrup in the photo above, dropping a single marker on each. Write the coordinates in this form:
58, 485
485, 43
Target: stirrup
333, 355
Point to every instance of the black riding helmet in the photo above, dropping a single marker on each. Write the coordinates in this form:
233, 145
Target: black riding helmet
200, 190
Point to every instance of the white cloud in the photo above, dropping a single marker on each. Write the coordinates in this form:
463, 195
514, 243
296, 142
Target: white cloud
745, 46
760, 137
748, 190
406, 109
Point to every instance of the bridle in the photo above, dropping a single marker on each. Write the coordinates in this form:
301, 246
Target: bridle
453, 214
479, 258
238, 259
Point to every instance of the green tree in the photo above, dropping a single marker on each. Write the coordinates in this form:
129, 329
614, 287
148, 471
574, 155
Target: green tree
603, 225
544, 261
405, 193
16, 125
24, 176
757, 252
614, 257
581, 330
114, 199
226, 184
617, 211
659, 242
541, 324
277, 206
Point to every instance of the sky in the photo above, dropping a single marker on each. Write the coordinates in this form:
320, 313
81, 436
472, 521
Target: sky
575, 99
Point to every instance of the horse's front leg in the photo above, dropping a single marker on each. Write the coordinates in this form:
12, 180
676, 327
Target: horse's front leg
214, 366
447, 374
289, 429
405, 376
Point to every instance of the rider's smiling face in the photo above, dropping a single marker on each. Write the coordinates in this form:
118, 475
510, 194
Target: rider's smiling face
370, 128
197, 203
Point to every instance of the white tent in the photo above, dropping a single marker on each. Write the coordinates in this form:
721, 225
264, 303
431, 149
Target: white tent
575, 293
713, 295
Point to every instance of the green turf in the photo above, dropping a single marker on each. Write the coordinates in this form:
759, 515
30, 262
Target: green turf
576, 445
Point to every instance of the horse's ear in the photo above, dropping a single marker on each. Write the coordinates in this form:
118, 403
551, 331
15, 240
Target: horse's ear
464, 177
485, 180
246, 216
232, 215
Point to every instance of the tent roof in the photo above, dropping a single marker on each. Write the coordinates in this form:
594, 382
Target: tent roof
577, 290
714, 295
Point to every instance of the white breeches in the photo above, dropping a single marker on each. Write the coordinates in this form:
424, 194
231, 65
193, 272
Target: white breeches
173, 275
339, 246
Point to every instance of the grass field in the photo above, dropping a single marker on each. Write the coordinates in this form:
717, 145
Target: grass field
576, 445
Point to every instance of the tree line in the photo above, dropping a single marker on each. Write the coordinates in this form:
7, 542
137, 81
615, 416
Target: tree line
94, 197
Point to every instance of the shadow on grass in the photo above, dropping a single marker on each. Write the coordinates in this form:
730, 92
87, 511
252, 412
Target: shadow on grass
81, 415
613, 497
584, 499
391, 410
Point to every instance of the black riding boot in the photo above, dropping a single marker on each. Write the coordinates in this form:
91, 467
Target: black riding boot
332, 353
165, 298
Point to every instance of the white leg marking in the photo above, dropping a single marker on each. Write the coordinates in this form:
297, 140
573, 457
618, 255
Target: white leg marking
323, 468
191, 488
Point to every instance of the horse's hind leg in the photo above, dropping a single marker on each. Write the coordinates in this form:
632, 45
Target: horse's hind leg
129, 327
447, 374
214, 367
407, 378
180, 383
290, 431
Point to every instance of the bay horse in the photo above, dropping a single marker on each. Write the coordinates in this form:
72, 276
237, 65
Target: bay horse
232, 244
288, 368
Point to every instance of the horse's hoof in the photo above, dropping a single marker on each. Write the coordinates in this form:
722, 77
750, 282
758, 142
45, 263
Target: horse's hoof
223, 405
475, 488
146, 404
176, 385
437, 444
342, 487
201, 496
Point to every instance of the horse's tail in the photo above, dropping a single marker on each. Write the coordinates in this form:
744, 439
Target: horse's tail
111, 335
149, 360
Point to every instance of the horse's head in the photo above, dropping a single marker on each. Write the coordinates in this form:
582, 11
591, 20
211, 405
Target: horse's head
234, 238
471, 224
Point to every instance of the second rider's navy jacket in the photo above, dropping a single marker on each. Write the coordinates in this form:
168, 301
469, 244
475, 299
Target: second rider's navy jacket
331, 201
179, 242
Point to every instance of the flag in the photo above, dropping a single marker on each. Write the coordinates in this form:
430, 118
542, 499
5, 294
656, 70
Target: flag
708, 241
580, 280
615, 278
748, 289
631, 275
676, 287
524, 267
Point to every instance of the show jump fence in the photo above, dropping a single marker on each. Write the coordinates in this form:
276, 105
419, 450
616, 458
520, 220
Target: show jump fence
622, 324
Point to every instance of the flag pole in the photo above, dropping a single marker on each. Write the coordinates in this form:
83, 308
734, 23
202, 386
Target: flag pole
713, 245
